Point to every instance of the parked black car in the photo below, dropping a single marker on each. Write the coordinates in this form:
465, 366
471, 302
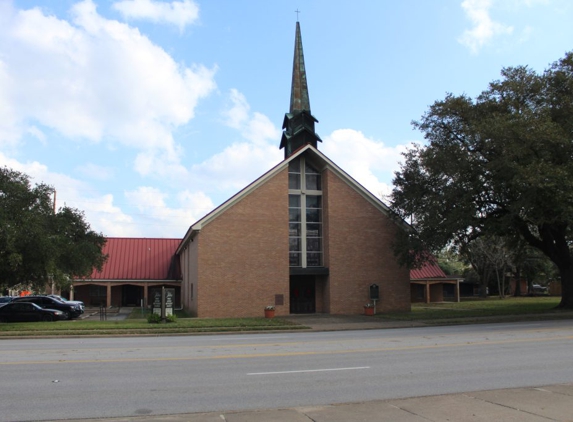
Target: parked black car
71, 302
5, 299
27, 312
46, 302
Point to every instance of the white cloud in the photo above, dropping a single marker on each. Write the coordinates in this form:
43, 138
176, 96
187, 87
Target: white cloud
370, 162
484, 27
238, 113
95, 172
99, 79
10, 131
102, 215
179, 13
151, 203
256, 127
242, 162
235, 167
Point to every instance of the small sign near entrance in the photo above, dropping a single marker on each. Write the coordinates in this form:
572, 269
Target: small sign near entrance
157, 302
169, 301
163, 301
374, 292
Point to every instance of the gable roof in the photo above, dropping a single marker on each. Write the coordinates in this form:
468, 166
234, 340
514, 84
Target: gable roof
142, 259
321, 161
429, 269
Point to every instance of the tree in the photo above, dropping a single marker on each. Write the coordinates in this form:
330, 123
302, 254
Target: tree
474, 253
451, 262
499, 165
39, 245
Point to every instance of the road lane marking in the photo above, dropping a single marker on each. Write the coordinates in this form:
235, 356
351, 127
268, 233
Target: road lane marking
309, 370
286, 354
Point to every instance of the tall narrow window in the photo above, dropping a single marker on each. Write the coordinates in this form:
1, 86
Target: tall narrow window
295, 231
305, 215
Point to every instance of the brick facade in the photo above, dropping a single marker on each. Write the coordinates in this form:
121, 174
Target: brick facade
360, 252
243, 255
237, 262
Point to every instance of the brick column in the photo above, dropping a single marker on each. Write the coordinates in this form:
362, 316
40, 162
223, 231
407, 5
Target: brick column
108, 295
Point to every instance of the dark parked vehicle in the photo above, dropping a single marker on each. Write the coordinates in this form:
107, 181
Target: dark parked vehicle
538, 289
46, 302
5, 299
28, 312
71, 302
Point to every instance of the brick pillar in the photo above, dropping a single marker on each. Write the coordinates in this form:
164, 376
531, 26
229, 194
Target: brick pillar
108, 295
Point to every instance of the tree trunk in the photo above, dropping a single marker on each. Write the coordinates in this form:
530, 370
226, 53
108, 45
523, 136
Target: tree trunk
517, 291
566, 287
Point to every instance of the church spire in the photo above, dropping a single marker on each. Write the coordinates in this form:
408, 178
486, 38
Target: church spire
299, 99
298, 123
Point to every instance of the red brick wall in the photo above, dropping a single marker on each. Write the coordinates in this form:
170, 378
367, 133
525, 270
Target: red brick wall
359, 252
243, 255
189, 268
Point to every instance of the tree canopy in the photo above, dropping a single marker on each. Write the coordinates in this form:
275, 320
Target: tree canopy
497, 165
39, 244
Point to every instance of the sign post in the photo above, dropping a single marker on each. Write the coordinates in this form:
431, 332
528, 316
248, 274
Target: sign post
157, 302
163, 302
374, 294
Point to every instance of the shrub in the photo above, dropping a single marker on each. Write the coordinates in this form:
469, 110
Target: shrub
153, 318
171, 318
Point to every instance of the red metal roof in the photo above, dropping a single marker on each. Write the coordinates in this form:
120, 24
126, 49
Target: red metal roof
139, 259
429, 270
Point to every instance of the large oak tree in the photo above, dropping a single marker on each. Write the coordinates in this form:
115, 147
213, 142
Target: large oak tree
500, 164
39, 245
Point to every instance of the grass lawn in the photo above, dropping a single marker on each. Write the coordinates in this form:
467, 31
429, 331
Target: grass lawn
142, 327
474, 308
466, 311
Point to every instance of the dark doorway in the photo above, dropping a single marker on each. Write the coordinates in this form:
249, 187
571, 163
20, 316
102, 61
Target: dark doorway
302, 294
131, 295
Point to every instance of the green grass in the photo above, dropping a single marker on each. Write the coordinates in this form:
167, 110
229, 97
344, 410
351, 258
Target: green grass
476, 308
467, 311
142, 327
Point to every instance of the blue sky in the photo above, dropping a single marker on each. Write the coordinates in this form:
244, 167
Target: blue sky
147, 114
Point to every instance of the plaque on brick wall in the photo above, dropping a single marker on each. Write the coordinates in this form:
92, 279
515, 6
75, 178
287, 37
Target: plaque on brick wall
374, 292
279, 300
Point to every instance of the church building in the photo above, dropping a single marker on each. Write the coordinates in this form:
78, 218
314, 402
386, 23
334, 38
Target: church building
305, 237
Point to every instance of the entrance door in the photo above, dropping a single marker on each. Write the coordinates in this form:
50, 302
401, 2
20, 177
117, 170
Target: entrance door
131, 295
302, 295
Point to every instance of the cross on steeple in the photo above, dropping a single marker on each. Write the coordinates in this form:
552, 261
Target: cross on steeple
297, 12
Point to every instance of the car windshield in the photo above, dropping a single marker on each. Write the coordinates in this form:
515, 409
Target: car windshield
57, 299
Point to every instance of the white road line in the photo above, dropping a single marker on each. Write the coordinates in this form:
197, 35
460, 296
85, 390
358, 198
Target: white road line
309, 370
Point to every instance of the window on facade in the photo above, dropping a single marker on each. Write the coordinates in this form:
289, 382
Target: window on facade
305, 215
294, 175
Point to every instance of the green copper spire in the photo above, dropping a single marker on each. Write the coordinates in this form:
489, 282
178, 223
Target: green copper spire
298, 123
299, 99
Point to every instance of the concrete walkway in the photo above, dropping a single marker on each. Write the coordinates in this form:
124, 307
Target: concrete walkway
547, 403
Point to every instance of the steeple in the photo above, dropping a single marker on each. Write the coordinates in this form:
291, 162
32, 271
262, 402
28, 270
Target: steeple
298, 123
299, 100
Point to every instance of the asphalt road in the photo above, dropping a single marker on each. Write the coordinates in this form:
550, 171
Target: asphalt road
51, 379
